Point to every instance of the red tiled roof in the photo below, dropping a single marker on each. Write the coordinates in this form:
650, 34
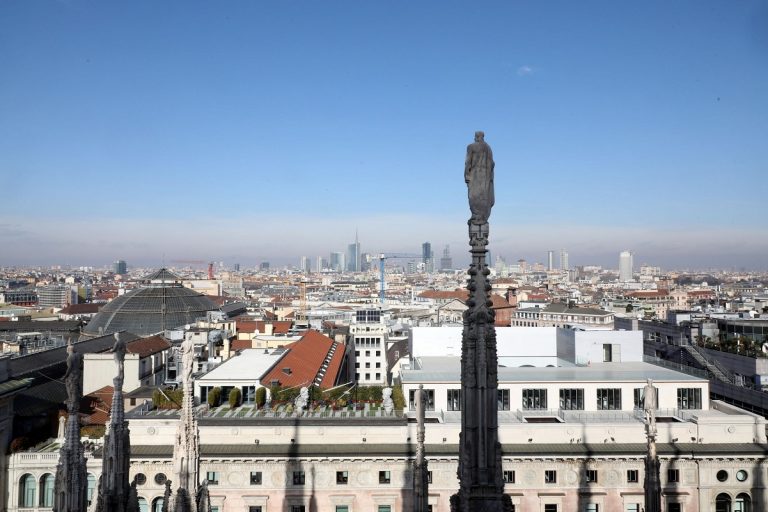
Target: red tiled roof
260, 326
459, 294
241, 344
82, 309
701, 293
305, 359
147, 346
96, 406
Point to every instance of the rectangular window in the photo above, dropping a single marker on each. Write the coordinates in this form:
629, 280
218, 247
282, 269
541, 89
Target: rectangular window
632, 476
609, 399
255, 508
378, 376
384, 508
591, 476
367, 365
384, 477
503, 404
509, 477
378, 365
572, 399
550, 476
454, 399
213, 477
378, 353
430, 399
298, 508
367, 376
342, 508
367, 353
255, 477
689, 398
673, 476
357, 353
298, 478
591, 507
632, 507
674, 507
214, 509
550, 507
342, 477
429, 477
607, 353
535, 399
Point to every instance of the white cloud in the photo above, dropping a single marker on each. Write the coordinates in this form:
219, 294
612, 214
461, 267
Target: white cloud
525, 70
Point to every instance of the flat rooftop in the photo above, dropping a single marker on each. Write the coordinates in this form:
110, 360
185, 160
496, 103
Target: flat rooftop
448, 369
250, 363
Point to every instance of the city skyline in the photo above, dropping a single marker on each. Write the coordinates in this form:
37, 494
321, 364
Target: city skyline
266, 132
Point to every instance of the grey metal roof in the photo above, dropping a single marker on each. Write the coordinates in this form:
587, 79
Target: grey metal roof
141, 311
31, 364
448, 369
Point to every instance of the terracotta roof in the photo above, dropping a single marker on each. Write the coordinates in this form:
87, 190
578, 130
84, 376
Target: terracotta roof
701, 293
305, 359
241, 344
81, 309
260, 326
96, 406
148, 346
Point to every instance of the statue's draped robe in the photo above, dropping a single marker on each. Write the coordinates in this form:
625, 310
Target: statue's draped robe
478, 172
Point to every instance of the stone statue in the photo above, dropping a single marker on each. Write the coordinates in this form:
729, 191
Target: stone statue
387, 403
187, 360
73, 378
118, 349
650, 403
301, 401
478, 174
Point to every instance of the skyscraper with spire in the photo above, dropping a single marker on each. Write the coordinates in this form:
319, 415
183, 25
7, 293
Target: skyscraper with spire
353, 255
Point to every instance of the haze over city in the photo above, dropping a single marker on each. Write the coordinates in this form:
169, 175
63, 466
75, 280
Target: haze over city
257, 131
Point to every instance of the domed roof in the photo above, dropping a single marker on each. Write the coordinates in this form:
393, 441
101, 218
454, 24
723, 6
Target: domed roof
140, 311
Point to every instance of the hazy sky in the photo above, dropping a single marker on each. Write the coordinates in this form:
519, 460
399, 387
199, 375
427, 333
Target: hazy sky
244, 131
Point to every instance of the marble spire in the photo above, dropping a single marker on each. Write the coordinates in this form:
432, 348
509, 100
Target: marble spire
114, 484
186, 460
71, 483
481, 485
652, 481
420, 468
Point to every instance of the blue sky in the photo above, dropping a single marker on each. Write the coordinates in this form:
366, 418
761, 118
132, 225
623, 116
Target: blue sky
244, 131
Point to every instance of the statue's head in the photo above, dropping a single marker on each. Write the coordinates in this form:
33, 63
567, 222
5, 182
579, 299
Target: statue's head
479, 136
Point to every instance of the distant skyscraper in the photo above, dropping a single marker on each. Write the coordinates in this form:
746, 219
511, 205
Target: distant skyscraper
426, 257
264, 265
120, 267
563, 259
337, 262
550, 260
625, 266
446, 262
237, 267
304, 265
320, 264
353, 256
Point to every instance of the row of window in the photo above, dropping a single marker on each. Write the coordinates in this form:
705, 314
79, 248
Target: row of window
368, 365
339, 508
368, 376
299, 477
367, 353
607, 399
367, 342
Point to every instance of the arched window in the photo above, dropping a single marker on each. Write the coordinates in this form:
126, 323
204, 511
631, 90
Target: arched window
46, 490
27, 491
91, 487
143, 507
743, 503
157, 505
723, 503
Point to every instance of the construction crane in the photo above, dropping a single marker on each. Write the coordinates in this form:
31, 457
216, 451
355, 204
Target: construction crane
197, 262
382, 258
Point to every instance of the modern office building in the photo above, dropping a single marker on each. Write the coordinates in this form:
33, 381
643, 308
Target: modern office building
427, 258
337, 262
56, 296
353, 256
446, 262
120, 267
368, 334
564, 260
625, 266
550, 260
